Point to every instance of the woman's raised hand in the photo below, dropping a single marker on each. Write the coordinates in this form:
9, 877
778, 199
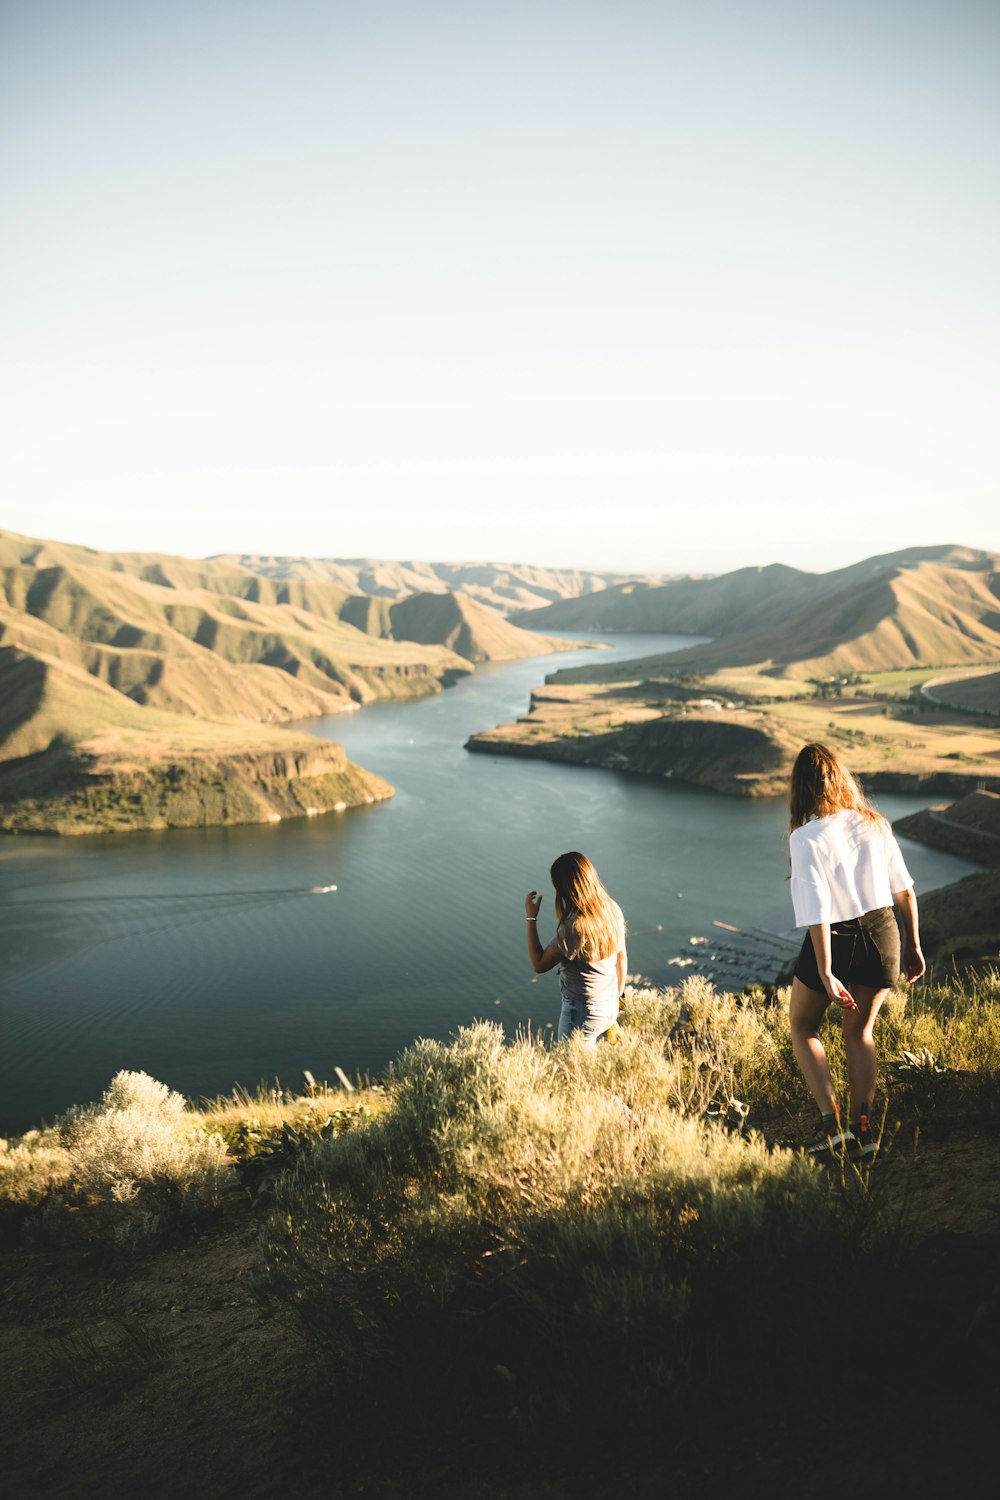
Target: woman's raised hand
532, 902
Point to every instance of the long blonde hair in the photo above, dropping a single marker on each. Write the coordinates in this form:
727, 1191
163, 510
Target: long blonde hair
821, 784
584, 906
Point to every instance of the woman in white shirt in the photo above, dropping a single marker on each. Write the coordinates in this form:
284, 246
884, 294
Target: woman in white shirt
589, 947
847, 871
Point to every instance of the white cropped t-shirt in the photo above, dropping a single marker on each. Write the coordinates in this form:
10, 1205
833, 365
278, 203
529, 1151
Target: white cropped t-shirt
843, 866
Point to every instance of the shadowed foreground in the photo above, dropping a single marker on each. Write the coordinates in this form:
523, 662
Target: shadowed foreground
518, 1271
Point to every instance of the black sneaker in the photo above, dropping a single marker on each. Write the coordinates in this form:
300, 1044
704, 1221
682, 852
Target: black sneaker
829, 1137
865, 1143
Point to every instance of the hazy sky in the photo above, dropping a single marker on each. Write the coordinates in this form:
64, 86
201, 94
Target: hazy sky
620, 284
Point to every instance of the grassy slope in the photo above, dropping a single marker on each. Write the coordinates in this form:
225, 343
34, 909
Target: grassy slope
490, 1225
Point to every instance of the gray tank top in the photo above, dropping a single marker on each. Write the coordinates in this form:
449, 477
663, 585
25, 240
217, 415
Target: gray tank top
594, 981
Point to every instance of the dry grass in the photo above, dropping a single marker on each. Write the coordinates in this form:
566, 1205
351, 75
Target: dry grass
505, 1229
137, 1161
33, 1167
531, 1210
518, 1213
268, 1109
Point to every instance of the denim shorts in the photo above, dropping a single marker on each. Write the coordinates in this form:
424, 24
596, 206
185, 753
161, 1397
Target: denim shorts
590, 1017
864, 950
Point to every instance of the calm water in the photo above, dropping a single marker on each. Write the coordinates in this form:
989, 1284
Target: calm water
211, 957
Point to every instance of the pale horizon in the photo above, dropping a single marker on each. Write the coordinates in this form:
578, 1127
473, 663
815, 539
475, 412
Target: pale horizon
662, 289
457, 559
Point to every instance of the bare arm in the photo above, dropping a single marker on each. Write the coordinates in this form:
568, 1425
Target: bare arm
621, 969
820, 934
913, 959
542, 959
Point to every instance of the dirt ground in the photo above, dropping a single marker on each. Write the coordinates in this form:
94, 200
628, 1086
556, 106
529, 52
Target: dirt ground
165, 1378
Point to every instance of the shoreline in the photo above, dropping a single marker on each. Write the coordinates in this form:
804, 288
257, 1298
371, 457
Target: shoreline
73, 793
692, 749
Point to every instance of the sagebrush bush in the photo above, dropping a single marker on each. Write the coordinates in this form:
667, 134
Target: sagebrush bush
141, 1158
725, 1045
554, 1212
721, 1045
33, 1166
138, 1161
563, 1213
140, 1151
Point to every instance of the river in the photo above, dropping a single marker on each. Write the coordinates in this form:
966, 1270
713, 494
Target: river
218, 956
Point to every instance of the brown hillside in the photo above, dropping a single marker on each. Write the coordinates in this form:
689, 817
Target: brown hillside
882, 615
905, 618
470, 629
688, 606
209, 640
114, 666
978, 695
969, 828
961, 923
195, 651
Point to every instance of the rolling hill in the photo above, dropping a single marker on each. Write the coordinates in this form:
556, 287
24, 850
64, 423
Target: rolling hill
146, 661
920, 606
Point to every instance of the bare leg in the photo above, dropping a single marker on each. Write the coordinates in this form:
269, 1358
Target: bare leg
805, 1013
859, 1046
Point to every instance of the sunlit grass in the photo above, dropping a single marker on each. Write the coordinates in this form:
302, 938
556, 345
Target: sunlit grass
141, 1159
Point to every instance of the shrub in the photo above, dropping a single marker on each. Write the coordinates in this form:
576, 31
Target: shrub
32, 1167
522, 1218
137, 1160
720, 1046
139, 1154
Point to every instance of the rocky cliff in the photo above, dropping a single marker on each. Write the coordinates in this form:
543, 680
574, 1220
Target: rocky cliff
70, 791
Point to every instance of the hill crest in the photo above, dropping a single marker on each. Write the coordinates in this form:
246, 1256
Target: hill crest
918, 606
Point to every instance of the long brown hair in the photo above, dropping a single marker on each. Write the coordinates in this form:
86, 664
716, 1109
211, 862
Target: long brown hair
598, 927
821, 784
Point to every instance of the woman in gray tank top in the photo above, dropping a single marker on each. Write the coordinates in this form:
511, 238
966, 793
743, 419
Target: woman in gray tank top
589, 947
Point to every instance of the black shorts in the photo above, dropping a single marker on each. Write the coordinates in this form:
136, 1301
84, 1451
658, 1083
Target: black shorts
864, 950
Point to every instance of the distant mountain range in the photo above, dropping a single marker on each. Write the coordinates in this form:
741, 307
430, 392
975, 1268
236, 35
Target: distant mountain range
505, 587
108, 659
916, 607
